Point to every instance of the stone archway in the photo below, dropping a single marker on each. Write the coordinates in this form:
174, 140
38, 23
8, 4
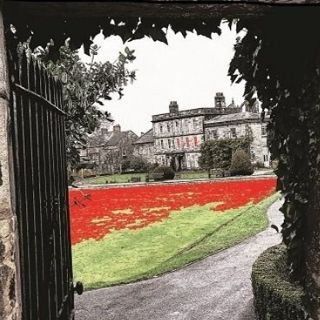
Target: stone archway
47, 20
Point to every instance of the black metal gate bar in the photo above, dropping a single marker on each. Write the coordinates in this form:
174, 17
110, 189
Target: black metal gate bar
41, 191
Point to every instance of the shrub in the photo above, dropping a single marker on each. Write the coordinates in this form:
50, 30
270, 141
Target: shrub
275, 296
163, 173
240, 164
139, 164
259, 165
135, 164
274, 164
217, 154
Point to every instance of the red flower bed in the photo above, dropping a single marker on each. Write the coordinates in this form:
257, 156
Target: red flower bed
94, 213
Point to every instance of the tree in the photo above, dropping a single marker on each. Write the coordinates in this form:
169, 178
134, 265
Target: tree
217, 154
241, 163
138, 164
86, 88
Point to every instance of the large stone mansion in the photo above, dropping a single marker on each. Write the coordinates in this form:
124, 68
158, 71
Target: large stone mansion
176, 137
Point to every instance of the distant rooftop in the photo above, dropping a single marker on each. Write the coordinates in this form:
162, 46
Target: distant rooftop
240, 116
145, 138
194, 112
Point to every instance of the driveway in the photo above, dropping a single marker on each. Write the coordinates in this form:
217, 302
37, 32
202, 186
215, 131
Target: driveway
216, 288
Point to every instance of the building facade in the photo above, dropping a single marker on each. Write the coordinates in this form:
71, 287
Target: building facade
178, 135
107, 149
239, 125
144, 146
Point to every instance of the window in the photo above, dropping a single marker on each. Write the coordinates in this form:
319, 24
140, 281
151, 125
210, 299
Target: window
195, 122
195, 139
178, 142
177, 124
161, 144
169, 143
161, 128
233, 133
168, 127
263, 130
265, 158
214, 134
187, 142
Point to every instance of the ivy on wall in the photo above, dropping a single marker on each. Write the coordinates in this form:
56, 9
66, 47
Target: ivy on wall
217, 154
280, 63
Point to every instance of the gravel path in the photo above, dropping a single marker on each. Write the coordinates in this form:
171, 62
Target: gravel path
216, 288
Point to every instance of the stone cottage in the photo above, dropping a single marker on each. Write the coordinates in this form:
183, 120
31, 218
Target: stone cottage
144, 146
106, 149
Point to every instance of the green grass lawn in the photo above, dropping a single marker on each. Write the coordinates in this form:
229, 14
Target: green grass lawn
188, 235
193, 174
115, 178
123, 178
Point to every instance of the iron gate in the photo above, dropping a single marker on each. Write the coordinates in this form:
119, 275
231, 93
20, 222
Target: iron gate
40, 175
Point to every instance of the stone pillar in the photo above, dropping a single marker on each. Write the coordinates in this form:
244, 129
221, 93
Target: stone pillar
9, 280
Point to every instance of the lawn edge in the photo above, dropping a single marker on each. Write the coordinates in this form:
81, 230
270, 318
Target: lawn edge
146, 276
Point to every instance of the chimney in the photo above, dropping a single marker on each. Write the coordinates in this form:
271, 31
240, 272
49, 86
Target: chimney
219, 100
117, 128
173, 107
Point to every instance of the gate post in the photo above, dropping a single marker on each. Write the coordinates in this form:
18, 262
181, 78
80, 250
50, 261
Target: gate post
9, 266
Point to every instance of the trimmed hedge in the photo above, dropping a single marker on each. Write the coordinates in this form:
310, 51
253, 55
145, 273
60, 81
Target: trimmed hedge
276, 298
163, 173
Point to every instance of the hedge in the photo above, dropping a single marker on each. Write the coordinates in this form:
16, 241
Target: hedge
275, 297
163, 173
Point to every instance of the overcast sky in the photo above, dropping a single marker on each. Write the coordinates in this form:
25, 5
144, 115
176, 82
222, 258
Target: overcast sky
189, 70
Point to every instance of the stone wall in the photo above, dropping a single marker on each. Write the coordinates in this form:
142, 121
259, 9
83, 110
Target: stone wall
178, 127
178, 136
9, 284
145, 151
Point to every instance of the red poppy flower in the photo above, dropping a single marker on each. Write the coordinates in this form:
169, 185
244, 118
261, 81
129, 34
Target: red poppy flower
95, 213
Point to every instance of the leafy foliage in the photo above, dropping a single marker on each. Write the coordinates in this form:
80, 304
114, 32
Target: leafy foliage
86, 87
281, 65
217, 154
137, 164
241, 163
128, 28
276, 297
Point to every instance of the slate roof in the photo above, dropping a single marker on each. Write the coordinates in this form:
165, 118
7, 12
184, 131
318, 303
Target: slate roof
240, 116
193, 113
112, 139
145, 138
115, 137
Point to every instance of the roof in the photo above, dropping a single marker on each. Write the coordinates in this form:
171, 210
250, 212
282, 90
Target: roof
240, 116
111, 139
193, 113
116, 137
145, 138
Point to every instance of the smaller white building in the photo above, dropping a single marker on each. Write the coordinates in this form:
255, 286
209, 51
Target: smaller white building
238, 125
